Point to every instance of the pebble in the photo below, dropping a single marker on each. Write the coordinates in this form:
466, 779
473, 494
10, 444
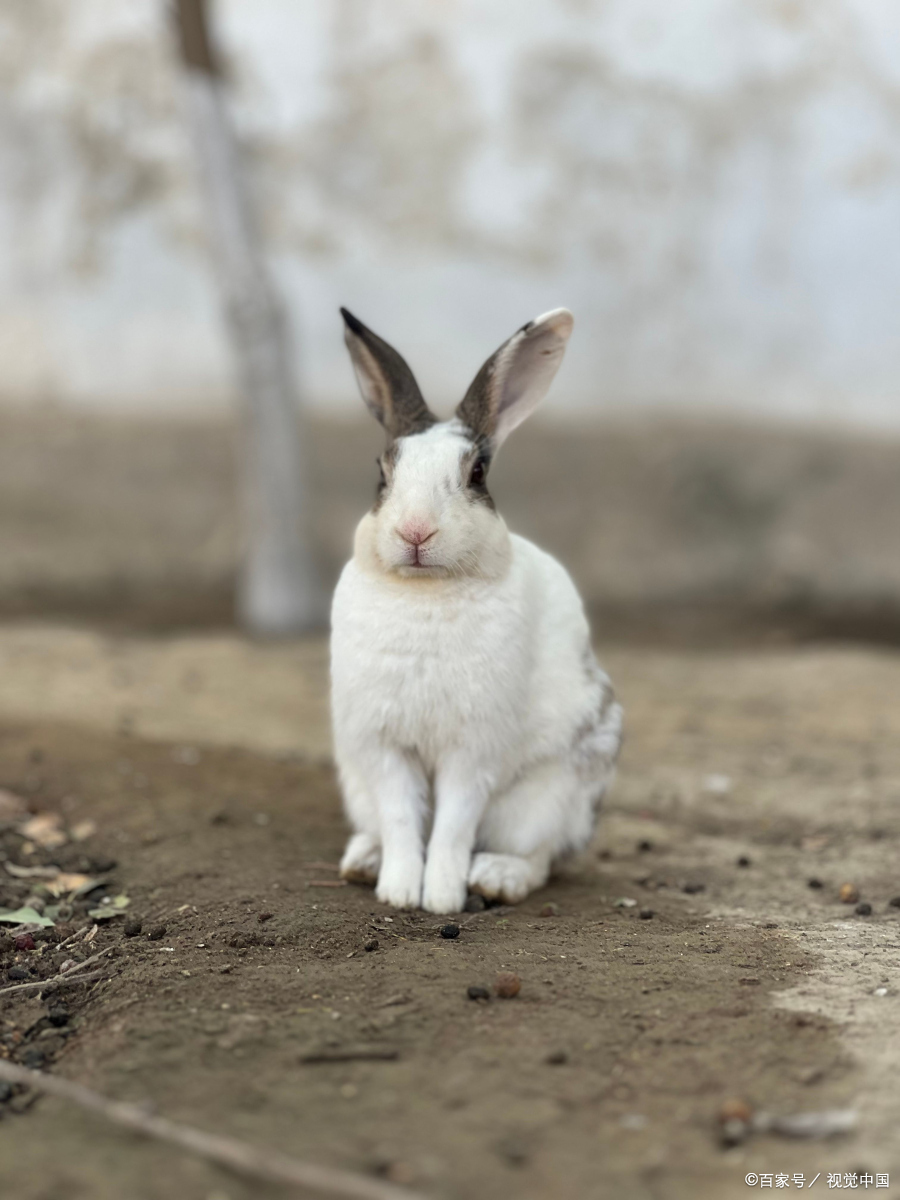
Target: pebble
264, 916
450, 931
475, 903
644, 846
735, 1128
476, 991
863, 910
895, 902
156, 933
848, 893
507, 984
693, 888
549, 910
400, 1172
16, 973
58, 1016
814, 883
744, 861
24, 941
556, 1058
515, 1149
646, 914
132, 928
371, 944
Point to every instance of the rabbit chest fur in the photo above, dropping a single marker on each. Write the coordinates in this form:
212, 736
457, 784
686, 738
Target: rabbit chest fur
500, 673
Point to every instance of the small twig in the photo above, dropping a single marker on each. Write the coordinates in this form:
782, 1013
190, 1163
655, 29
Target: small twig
87, 962
73, 937
247, 1160
352, 1054
320, 866
326, 883
63, 977
55, 982
31, 872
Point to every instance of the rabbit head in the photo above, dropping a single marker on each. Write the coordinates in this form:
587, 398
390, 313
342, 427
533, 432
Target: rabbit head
433, 514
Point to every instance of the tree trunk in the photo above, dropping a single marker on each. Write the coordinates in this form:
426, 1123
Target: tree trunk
279, 590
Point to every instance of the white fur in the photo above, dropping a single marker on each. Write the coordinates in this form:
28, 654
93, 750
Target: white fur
469, 711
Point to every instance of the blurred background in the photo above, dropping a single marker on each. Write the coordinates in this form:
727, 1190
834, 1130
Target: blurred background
712, 187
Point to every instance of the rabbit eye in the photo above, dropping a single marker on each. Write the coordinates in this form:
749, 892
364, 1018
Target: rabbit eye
382, 478
476, 479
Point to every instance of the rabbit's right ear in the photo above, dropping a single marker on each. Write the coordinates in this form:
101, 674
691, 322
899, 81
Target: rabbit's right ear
387, 384
516, 378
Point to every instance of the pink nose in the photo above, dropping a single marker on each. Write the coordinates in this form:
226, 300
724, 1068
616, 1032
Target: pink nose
415, 534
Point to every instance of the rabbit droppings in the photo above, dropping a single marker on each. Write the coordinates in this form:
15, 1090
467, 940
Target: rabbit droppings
463, 679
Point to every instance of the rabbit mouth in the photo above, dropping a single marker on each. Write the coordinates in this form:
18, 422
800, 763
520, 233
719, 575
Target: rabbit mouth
417, 565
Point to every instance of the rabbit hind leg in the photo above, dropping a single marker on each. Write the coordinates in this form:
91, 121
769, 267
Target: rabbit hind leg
543, 815
361, 860
508, 877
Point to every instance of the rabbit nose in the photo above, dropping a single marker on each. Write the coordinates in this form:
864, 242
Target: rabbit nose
415, 534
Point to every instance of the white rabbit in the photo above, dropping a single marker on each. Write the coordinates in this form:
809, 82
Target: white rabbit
462, 669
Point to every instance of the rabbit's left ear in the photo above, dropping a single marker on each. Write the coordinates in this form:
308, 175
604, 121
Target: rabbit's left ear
387, 384
517, 377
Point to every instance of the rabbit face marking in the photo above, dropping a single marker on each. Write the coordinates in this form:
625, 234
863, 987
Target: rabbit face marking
433, 514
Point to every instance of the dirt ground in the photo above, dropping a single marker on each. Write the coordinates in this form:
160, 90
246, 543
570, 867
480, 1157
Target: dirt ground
204, 762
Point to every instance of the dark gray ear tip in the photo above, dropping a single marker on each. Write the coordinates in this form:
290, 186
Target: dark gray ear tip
354, 325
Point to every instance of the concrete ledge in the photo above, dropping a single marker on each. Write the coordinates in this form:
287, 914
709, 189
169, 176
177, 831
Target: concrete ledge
673, 529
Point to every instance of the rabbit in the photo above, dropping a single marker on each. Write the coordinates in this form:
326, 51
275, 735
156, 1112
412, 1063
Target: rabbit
474, 732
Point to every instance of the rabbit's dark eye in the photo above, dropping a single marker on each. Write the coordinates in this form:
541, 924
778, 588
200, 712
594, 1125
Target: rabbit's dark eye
382, 478
476, 479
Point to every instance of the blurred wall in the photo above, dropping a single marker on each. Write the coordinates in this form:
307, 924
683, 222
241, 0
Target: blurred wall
712, 186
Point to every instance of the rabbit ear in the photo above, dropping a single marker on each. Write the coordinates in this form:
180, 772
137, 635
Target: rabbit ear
387, 384
516, 377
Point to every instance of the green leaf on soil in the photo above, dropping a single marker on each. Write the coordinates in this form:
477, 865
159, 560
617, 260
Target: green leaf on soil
23, 916
105, 914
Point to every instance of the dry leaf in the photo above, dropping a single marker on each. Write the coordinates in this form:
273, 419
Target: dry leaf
67, 882
45, 829
11, 806
815, 842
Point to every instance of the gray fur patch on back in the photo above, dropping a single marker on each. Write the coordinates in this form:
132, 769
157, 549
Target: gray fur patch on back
598, 739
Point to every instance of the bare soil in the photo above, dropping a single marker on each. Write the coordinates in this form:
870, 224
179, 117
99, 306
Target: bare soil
602, 1078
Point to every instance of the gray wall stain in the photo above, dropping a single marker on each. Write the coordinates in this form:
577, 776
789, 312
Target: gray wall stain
709, 186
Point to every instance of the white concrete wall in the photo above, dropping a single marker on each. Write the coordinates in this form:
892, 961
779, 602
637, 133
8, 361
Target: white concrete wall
713, 186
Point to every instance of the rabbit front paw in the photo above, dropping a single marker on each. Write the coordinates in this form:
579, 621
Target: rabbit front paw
444, 890
400, 884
